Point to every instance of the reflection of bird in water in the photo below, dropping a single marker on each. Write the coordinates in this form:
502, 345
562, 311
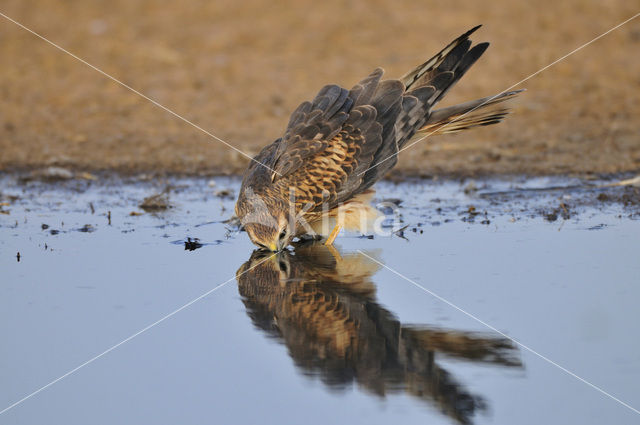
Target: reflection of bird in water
322, 307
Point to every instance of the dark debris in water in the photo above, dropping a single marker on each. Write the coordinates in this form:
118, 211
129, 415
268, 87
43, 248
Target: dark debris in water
563, 210
156, 203
87, 228
471, 214
192, 244
400, 232
225, 193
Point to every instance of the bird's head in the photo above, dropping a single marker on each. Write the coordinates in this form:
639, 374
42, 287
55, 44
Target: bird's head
274, 235
265, 219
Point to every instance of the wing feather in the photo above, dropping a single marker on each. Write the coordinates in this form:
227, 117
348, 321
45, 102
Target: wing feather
311, 127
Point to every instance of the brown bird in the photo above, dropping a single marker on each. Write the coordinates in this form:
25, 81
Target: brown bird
319, 174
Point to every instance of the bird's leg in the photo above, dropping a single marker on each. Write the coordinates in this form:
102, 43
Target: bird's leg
333, 235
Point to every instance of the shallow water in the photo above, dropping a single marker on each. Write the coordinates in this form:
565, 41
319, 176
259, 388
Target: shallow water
317, 335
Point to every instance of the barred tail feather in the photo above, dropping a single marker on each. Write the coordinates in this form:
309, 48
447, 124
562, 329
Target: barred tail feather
412, 78
476, 113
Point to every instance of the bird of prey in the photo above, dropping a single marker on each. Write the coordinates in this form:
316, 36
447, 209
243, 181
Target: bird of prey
322, 306
319, 174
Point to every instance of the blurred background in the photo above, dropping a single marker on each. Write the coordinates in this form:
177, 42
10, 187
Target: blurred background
238, 68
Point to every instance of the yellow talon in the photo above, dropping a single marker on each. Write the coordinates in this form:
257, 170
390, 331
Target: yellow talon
333, 235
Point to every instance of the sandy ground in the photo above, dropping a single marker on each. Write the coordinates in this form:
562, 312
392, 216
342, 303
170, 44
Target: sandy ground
238, 68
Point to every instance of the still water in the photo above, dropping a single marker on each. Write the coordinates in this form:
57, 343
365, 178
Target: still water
397, 329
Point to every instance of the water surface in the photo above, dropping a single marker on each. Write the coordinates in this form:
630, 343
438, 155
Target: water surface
316, 335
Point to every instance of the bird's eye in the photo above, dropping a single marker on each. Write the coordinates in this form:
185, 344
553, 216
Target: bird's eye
283, 234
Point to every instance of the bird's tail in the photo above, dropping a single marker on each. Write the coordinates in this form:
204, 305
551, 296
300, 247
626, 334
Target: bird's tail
479, 112
405, 107
470, 346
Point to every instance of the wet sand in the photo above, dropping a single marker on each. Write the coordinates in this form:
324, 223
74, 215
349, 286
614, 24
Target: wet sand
238, 68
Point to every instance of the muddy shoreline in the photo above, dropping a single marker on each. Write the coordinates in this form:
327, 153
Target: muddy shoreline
470, 199
53, 173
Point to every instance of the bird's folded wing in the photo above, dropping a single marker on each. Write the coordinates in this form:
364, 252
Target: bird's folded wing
331, 141
311, 128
